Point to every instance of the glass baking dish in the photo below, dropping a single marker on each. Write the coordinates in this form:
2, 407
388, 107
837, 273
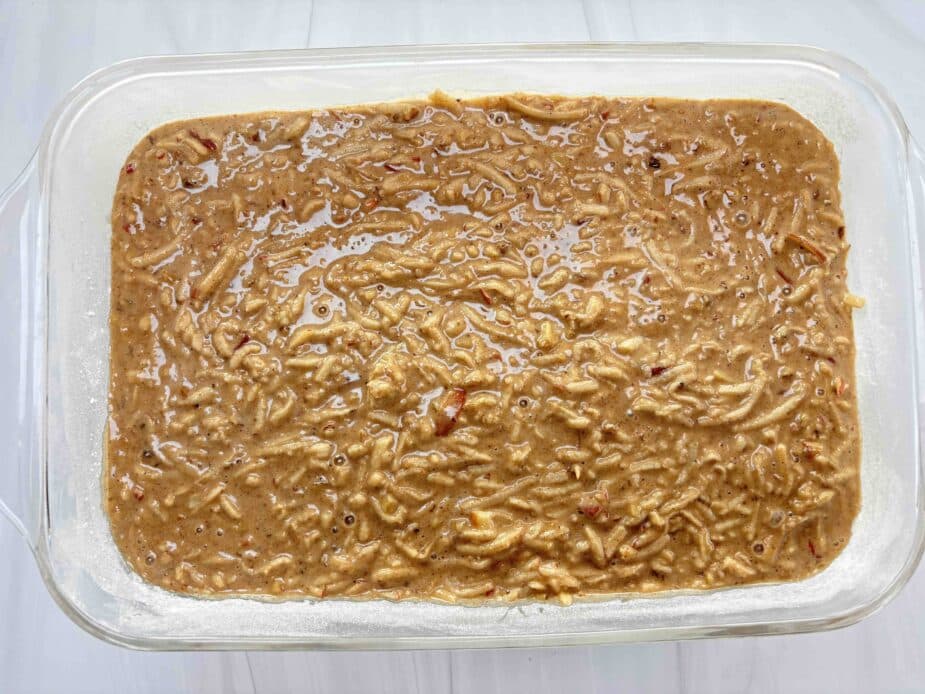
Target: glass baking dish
54, 268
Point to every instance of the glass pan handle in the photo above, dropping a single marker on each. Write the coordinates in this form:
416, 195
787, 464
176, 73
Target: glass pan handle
19, 466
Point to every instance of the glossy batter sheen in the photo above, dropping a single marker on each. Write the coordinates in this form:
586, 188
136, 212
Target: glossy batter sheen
524, 347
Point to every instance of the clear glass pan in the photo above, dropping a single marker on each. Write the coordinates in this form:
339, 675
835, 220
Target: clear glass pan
54, 268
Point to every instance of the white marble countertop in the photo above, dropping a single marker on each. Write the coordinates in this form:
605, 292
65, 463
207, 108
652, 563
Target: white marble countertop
47, 46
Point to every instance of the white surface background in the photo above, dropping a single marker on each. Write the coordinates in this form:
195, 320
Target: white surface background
46, 47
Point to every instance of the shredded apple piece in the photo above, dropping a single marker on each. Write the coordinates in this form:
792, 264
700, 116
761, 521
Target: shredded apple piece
448, 413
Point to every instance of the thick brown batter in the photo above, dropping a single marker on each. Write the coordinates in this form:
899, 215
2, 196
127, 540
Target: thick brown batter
520, 347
